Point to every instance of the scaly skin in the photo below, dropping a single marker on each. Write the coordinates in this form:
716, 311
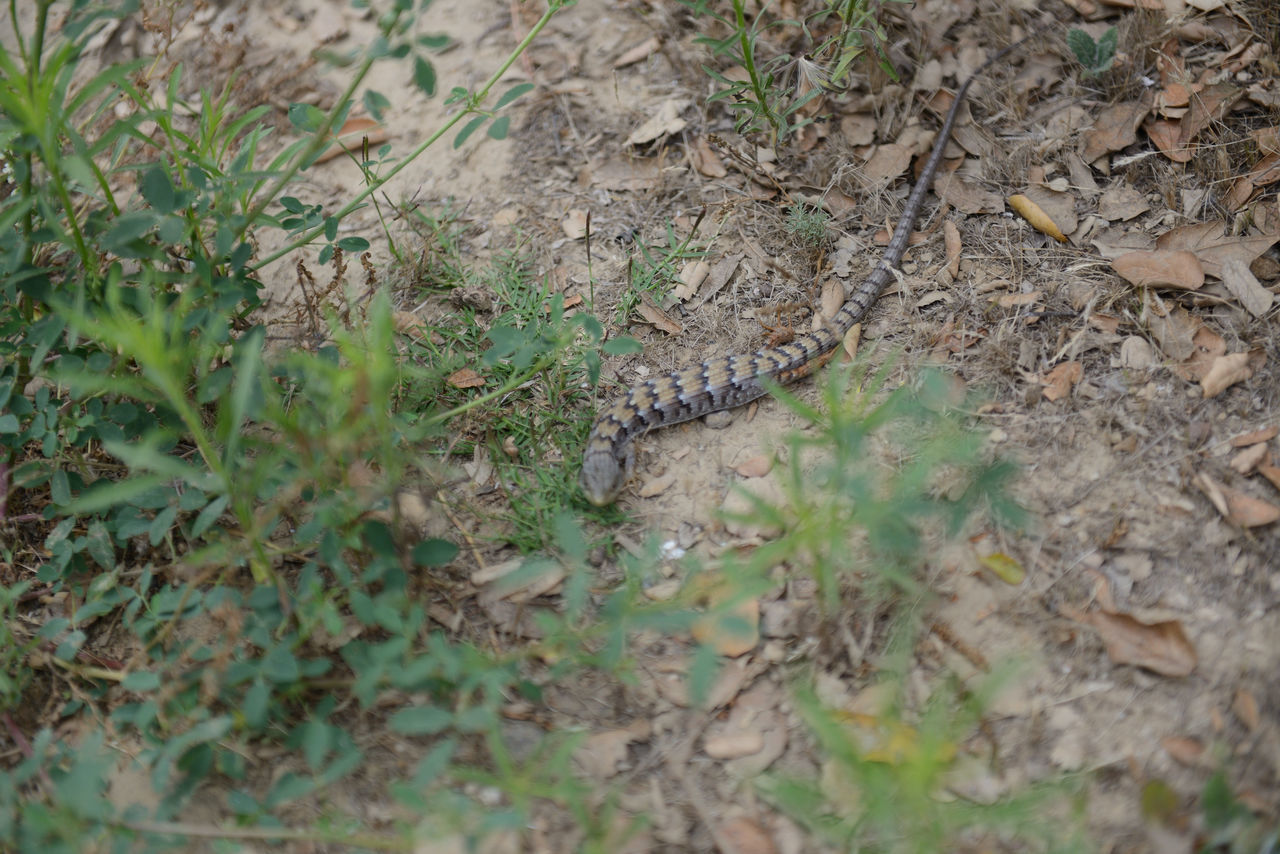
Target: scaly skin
730, 381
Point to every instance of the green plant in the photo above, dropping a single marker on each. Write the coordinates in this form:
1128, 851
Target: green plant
1230, 825
779, 82
836, 490
166, 468
1096, 57
657, 268
894, 781
808, 225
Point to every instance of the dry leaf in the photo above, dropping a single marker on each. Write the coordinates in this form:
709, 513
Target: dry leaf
666, 121
1271, 473
742, 835
1226, 371
730, 633
1245, 706
1186, 750
691, 277
705, 160
574, 224
518, 580
351, 138
1058, 382
1248, 459
1161, 269
1107, 323
851, 339
1035, 215
1246, 288
1006, 568
1012, 300
637, 53
657, 485
602, 754
622, 173
1235, 506
1265, 171
1058, 205
1159, 647
1115, 128
951, 241
465, 378
721, 272
733, 745
755, 466
1206, 345
966, 196
1214, 247
858, 129
1122, 202
832, 297
887, 162
650, 311
1264, 434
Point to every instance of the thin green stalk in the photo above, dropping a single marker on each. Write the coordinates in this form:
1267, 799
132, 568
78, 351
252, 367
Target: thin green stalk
552, 8
509, 386
318, 141
749, 62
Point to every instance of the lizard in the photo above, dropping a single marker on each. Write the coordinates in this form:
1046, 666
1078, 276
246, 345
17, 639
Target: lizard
727, 382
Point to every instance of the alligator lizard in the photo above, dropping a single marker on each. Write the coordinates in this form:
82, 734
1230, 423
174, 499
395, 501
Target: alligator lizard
730, 381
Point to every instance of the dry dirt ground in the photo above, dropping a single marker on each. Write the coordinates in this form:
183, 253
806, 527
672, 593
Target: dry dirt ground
1148, 625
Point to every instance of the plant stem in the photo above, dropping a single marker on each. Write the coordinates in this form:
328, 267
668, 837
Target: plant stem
472, 104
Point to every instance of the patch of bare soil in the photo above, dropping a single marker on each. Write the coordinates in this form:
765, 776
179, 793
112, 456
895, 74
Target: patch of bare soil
1137, 391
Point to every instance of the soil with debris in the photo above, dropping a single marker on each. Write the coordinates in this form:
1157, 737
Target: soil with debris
1130, 367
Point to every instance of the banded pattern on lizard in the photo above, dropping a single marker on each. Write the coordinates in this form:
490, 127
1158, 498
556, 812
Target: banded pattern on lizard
730, 381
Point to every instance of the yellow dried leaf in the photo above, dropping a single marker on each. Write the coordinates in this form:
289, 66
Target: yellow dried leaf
1006, 568
1035, 215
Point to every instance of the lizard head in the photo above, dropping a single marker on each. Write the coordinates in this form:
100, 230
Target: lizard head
602, 476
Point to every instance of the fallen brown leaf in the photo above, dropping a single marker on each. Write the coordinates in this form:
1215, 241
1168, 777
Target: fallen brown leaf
351, 138
1226, 371
637, 53
705, 160
665, 121
745, 836
1184, 749
1058, 382
602, 754
1206, 346
574, 224
1237, 507
1012, 300
1248, 459
755, 466
1159, 647
952, 244
887, 162
1214, 246
1161, 269
730, 633
1271, 473
465, 378
1245, 707
650, 311
1246, 288
691, 277
1263, 434
1115, 128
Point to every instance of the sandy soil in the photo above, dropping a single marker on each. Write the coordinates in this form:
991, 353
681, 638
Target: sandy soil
1114, 469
